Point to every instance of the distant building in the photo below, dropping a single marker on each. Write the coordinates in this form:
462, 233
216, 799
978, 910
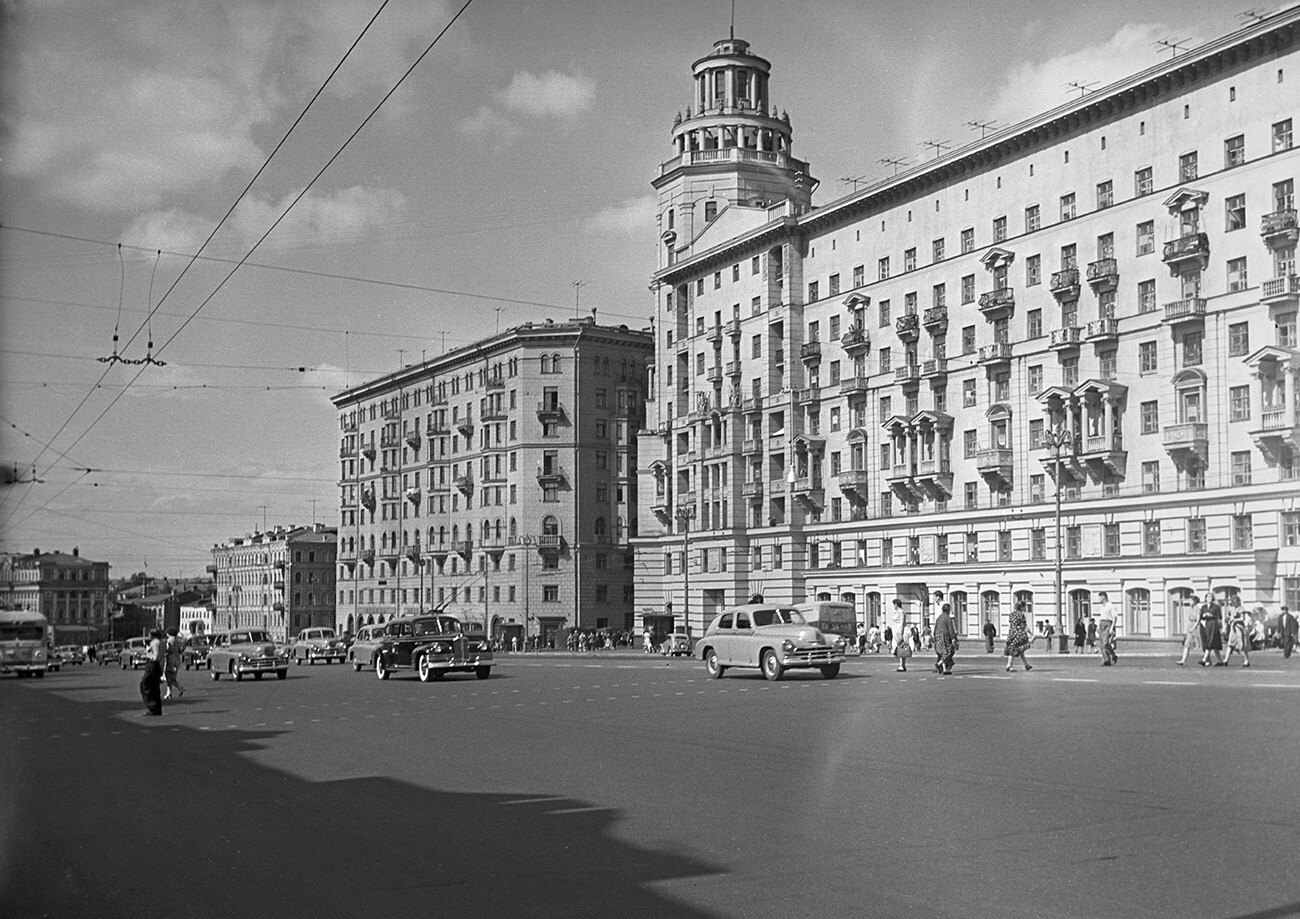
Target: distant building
281, 580
884, 396
66, 589
497, 482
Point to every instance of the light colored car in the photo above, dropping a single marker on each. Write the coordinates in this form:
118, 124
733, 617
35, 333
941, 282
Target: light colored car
318, 644
773, 639
678, 643
71, 654
242, 651
108, 652
365, 650
134, 653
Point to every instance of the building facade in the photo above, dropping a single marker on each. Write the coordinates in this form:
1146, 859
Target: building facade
281, 580
66, 589
496, 482
886, 396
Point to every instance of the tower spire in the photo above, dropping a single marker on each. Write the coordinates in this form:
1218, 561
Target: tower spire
733, 20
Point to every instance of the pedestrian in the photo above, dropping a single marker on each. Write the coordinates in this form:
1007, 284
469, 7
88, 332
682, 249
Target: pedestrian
903, 650
1092, 634
945, 640
1211, 629
1080, 635
1238, 635
1017, 637
1049, 633
862, 638
927, 637
151, 681
1288, 630
649, 641
873, 639
1191, 638
172, 653
1106, 630
916, 637
990, 633
889, 638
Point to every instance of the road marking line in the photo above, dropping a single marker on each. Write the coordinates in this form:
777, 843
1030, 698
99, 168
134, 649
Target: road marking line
1275, 685
1072, 679
982, 676
1168, 683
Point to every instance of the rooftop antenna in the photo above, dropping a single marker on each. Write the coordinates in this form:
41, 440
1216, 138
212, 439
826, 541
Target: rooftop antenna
498, 309
1165, 44
888, 161
400, 353
1083, 88
577, 287
263, 507
853, 180
939, 146
1251, 16
982, 126
733, 19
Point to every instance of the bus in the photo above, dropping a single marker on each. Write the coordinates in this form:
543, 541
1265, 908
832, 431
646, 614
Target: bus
24, 643
832, 618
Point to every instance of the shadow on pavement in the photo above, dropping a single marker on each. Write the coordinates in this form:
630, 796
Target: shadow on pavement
161, 820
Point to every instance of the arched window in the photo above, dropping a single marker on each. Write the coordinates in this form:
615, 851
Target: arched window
555, 363
823, 596
599, 527
965, 623
1181, 613
991, 606
1026, 597
442, 535
1080, 605
1137, 611
496, 529
618, 529
455, 532
546, 363
349, 623
514, 528
1189, 396
550, 526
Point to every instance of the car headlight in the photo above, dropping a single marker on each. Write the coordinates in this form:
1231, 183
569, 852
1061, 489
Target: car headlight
787, 646
243, 657
39, 655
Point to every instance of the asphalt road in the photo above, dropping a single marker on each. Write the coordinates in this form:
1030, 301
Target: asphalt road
574, 786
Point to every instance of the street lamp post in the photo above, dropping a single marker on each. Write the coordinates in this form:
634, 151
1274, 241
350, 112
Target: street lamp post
1057, 438
685, 513
527, 542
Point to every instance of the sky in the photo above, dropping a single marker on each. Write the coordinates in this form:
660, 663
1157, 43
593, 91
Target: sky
513, 162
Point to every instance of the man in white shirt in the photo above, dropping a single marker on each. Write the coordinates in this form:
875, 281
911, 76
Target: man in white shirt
1106, 629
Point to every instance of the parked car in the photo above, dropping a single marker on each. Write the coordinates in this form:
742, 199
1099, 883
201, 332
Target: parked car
242, 651
318, 644
133, 654
71, 654
433, 646
677, 644
108, 652
772, 638
361, 653
196, 652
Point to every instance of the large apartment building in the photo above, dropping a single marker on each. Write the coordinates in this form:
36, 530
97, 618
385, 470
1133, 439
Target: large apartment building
281, 580
496, 482
66, 589
885, 396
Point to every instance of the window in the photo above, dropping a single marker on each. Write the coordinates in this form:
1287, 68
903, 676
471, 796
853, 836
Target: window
1234, 151
1195, 534
1238, 339
1146, 237
968, 393
1004, 545
1037, 483
812, 291
1240, 464
999, 229
833, 285
756, 346
885, 360
1035, 439
1235, 210
969, 445
1110, 541
1193, 349
972, 547
1070, 371
1239, 403
968, 339
1105, 194
968, 289
1151, 537
909, 259
551, 593
884, 314
940, 295
1147, 360
1033, 270
1187, 170
1150, 477
882, 268
1067, 206
1037, 544
1073, 541
1237, 274
1034, 324
753, 265
1291, 528
1150, 414
967, 240
859, 277
1033, 220
1146, 296
710, 211
1282, 136
1243, 534
1142, 182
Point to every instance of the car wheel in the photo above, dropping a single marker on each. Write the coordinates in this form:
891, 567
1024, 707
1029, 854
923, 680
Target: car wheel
356, 666
297, 661
712, 665
482, 672
381, 667
830, 671
216, 675
238, 675
282, 674
426, 672
772, 668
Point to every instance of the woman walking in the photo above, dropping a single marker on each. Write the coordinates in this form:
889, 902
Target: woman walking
151, 681
1080, 635
1191, 641
1211, 630
1017, 637
1238, 634
945, 640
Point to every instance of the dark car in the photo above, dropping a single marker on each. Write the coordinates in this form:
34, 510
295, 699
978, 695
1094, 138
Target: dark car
196, 652
433, 646
108, 652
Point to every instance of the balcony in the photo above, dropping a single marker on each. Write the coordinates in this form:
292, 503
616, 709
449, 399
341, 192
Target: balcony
550, 543
346, 452
752, 446
1281, 294
413, 439
1277, 432
495, 381
1184, 311
387, 440
436, 427
278, 606
465, 426
995, 355
935, 369
935, 318
809, 396
857, 481
661, 507
998, 304
368, 498
368, 451
1105, 449
853, 385
995, 462
732, 329
1103, 275
810, 352
1192, 249
908, 327
1189, 437
464, 484
855, 341
349, 425
935, 475
753, 489
1279, 229
1102, 330
809, 489
367, 556
1066, 339
714, 335
548, 410
494, 413
413, 494
752, 404
463, 547
733, 368
714, 374
1065, 285
908, 374
413, 553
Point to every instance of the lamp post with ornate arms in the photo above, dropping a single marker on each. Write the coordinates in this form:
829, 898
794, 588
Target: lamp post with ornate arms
527, 542
685, 513
1058, 438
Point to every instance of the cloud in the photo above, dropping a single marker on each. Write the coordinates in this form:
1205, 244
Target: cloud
1036, 87
551, 95
489, 125
631, 216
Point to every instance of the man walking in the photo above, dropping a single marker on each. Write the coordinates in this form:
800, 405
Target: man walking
151, 681
945, 640
990, 633
1106, 630
1288, 629
172, 662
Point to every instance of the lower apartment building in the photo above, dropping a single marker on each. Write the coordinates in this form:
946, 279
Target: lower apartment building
281, 580
886, 396
497, 483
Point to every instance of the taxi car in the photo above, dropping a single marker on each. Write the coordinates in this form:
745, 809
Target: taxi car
433, 646
134, 653
772, 638
196, 652
318, 644
242, 651
370, 638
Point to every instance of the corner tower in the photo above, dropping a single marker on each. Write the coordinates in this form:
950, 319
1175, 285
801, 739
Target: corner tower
731, 148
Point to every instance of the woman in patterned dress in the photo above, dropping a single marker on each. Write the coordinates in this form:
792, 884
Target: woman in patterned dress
1017, 637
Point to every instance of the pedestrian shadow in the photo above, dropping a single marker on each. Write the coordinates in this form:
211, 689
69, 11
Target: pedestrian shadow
189, 822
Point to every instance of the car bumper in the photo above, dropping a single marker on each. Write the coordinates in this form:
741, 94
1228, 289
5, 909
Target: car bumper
261, 664
315, 655
811, 657
449, 664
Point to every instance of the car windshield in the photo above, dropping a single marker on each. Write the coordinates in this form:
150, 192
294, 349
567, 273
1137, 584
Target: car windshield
325, 633
777, 617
